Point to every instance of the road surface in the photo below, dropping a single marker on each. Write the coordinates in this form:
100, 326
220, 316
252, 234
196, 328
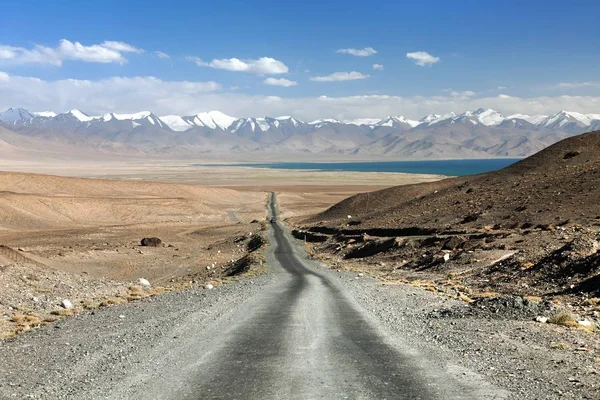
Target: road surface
305, 340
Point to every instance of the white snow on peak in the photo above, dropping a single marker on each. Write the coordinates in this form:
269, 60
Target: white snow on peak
440, 118
176, 123
80, 115
489, 117
45, 114
263, 124
534, 119
293, 120
326, 120
213, 119
362, 121
389, 121
135, 116
564, 117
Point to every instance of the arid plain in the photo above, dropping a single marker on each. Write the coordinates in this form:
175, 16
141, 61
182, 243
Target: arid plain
72, 230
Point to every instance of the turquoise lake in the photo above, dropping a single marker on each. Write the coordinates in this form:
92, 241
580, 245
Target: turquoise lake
437, 167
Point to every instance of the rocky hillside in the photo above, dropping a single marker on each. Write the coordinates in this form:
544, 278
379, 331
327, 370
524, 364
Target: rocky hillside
531, 228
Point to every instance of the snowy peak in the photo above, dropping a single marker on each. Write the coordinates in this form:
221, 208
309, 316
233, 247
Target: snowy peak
45, 114
177, 123
133, 117
79, 115
288, 119
253, 124
532, 119
563, 118
363, 121
15, 115
433, 119
483, 116
213, 119
397, 122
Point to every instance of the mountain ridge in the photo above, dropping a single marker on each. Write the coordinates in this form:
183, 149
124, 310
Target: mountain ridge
481, 133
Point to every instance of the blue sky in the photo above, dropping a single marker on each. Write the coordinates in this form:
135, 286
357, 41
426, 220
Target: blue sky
533, 56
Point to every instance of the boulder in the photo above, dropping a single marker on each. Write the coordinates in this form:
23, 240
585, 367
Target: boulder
453, 242
144, 282
371, 248
151, 242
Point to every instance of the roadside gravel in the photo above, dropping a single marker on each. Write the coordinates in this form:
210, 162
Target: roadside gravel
530, 359
79, 357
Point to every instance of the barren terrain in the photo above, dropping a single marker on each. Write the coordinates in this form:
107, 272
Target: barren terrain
79, 238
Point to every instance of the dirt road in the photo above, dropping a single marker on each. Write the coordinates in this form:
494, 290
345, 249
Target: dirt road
294, 333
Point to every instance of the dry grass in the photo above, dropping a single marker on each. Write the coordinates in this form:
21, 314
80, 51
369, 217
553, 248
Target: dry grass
594, 301
111, 301
63, 312
89, 304
485, 295
537, 299
563, 318
465, 298
559, 346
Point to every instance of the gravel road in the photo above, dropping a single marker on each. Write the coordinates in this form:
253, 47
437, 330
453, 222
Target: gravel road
300, 332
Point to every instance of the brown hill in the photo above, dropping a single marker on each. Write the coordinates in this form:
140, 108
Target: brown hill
530, 228
556, 185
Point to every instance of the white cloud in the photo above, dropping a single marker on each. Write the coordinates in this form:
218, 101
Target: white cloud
261, 66
340, 76
280, 82
367, 51
578, 85
162, 55
121, 47
463, 95
422, 58
128, 95
378, 67
106, 52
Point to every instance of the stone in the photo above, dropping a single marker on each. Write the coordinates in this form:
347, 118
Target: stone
144, 282
151, 242
446, 257
541, 319
209, 286
585, 322
67, 304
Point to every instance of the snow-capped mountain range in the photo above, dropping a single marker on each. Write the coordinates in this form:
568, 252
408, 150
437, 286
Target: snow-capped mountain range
471, 134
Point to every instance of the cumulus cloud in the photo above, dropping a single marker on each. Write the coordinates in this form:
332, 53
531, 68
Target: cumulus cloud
422, 58
280, 82
132, 94
367, 51
261, 66
162, 55
340, 76
378, 67
106, 52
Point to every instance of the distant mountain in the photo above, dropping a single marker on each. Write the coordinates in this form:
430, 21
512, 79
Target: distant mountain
481, 133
